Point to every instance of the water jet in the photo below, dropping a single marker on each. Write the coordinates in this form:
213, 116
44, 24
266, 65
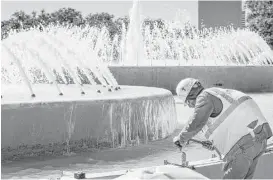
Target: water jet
57, 120
60, 121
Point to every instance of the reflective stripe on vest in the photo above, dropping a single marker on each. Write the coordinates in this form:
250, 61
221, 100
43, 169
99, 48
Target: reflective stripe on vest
233, 105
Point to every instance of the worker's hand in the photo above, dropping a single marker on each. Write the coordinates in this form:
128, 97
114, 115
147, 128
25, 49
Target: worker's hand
178, 142
208, 145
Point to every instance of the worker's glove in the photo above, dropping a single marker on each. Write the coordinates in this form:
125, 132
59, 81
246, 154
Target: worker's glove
208, 145
178, 142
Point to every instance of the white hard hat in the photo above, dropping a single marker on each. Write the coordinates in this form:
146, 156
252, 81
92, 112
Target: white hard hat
184, 88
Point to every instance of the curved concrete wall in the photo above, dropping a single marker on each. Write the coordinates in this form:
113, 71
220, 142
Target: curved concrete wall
244, 78
85, 123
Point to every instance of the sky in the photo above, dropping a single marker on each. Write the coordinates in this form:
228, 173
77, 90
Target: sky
153, 9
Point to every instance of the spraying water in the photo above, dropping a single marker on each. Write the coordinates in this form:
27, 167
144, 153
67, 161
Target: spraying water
74, 55
79, 55
179, 41
66, 65
134, 39
54, 56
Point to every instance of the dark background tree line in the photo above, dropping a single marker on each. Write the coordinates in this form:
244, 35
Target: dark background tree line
67, 16
260, 20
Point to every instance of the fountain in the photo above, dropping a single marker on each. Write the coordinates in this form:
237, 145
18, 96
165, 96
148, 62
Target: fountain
179, 43
178, 50
59, 98
134, 54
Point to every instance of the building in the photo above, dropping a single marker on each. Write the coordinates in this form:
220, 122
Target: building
221, 13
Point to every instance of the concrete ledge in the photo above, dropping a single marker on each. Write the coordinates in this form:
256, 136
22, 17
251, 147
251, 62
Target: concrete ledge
47, 126
244, 78
211, 168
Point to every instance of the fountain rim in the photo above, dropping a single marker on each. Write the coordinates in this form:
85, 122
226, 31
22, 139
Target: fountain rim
140, 93
184, 65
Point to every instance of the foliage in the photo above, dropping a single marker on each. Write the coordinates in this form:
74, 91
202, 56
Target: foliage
260, 18
71, 17
68, 16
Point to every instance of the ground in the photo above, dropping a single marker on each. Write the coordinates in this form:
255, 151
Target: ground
117, 159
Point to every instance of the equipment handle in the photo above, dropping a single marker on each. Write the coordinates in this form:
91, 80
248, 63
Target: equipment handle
203, 142
177, 143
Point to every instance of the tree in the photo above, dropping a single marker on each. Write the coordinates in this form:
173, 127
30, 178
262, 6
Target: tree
34, 19
260, 18
122, 21
67, 16
20, 20
44, 18
152, 23
5, 27
101, 20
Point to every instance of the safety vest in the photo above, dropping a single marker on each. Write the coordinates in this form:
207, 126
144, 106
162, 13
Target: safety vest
239, 117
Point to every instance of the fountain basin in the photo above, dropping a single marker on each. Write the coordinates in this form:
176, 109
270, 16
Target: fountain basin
52, 125
243, 78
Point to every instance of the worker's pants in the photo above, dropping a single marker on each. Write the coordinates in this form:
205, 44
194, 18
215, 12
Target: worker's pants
243, 163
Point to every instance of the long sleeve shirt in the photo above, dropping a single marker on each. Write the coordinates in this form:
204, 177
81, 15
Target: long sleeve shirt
206, 106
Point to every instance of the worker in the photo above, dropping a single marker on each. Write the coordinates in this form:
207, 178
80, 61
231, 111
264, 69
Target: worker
230, 120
